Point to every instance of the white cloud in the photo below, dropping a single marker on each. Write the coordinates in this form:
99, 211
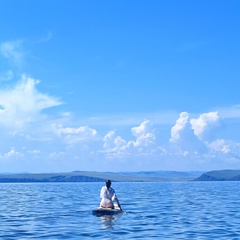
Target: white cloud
56, 155
108, 140
142, 129
220, 145
83, 130
230, 112
206, 126
193, 141
225, 152
23, 103
12, 51
226, 147
195, 144
183, 137
179, 127
145, 135
114, 147
144, 144
75, 135
11, 154
34, 152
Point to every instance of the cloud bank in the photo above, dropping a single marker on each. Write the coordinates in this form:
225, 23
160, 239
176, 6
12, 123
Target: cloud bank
42, 140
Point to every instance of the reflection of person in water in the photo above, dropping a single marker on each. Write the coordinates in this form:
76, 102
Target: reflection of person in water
108, 195
108, 221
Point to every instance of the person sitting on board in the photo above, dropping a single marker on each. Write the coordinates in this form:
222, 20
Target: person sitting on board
108, 195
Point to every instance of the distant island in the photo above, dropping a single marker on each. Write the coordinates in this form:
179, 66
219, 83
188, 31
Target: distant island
143, 176
86, 176
220, 175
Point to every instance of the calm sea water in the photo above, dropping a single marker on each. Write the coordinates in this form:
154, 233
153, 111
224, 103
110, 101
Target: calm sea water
182, 210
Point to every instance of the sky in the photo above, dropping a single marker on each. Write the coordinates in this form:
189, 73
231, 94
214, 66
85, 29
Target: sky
119, 85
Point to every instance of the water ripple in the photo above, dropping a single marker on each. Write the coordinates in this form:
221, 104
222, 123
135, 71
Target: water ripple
190, 210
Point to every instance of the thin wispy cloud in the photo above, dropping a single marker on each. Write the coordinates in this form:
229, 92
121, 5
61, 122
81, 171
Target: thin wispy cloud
12, 51
132, 118
47, 37
230, 111
7, 76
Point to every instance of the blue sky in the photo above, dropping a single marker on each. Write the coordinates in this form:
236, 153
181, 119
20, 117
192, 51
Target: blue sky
119, 85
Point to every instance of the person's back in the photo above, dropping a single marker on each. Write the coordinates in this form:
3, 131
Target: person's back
108, 195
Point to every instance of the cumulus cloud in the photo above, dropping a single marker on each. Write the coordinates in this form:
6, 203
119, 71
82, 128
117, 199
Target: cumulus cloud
114, 146
220, 145
225, 152
183, 137
142, 129
145, 135
178, 129
226, 147
193, 141
144, 143
108, 140
75, 135
11, 154
186, 149
23, 103
206, 126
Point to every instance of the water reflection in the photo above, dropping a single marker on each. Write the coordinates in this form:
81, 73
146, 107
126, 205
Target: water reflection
109, 220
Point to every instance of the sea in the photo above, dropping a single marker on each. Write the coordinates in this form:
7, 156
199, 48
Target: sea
159, 210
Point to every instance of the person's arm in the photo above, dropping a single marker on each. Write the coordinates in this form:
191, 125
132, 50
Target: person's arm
118, 203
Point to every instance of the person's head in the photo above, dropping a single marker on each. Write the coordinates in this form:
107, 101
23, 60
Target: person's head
108, 183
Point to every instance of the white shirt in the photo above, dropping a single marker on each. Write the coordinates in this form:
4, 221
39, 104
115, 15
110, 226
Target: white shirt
107, 195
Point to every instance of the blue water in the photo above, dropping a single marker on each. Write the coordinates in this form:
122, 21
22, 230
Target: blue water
182, 210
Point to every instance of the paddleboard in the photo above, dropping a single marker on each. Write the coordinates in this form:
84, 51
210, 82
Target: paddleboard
106, 211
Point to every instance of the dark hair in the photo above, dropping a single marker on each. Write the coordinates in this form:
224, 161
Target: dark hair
108, 183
